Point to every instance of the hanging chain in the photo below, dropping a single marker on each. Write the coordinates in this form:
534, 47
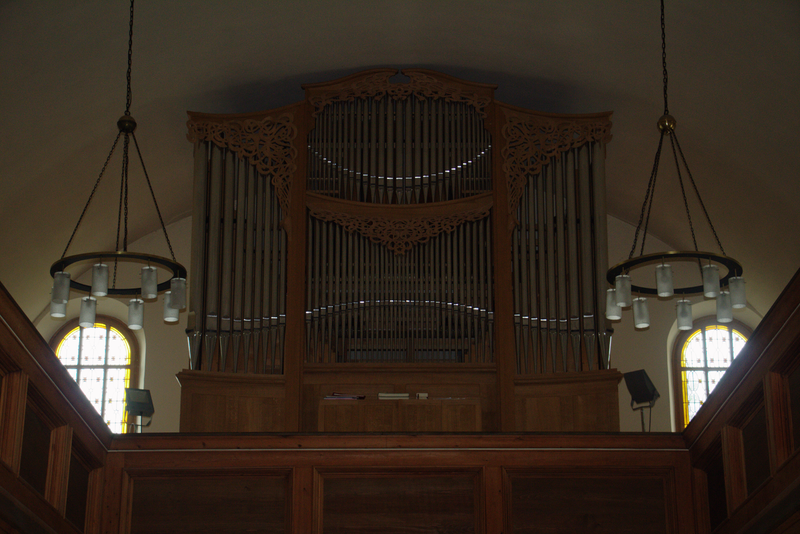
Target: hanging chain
129, 96
152, 193
663, 57
697, 192
126, 126
91, 195
652, 197
650, 188
683, 191
667, 126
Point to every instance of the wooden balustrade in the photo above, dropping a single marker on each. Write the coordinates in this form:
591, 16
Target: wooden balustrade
745, 440
735, 469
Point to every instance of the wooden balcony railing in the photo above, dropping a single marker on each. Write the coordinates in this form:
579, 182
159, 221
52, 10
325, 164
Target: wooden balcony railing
735, 469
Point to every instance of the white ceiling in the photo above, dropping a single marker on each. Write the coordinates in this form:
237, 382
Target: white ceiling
734, 71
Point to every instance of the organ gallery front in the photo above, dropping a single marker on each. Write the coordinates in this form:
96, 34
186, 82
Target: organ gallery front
400, 233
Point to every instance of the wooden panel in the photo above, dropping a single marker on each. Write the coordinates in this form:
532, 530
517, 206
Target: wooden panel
228, 402
12, 416
756, 450
77, 492
607, 503
716, 490
373, 415
35, 450
568, 402
388, 502
211, 504
794, 396
733, 462
58, 472
779, 419
438, 381
460, 416
358, 416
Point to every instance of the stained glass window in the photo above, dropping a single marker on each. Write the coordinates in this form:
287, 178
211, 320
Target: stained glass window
100, 360
705, 355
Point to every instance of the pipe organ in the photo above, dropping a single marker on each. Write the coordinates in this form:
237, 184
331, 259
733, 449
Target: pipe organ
386, 235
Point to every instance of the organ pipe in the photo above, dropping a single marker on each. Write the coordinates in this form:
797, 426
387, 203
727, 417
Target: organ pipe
243, 253
412, 150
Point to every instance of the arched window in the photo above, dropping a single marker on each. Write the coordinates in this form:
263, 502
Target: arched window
701, 358
103, 361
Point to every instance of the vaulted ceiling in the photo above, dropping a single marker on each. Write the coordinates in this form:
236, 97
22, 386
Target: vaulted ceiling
734, 71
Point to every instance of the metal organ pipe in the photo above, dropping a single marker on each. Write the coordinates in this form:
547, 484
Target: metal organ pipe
244, 253
554, 303
365, 303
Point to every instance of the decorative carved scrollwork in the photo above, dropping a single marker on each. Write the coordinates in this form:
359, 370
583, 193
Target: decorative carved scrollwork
532, 140
422, 84
265, 142
399, 227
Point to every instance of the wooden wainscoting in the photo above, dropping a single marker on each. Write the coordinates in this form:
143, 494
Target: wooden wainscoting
232, 402
461, 398
568, 402
426, 484
465, 398
53, 444
375, 415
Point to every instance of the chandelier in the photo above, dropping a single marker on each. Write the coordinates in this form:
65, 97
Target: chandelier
728, 289
152, 266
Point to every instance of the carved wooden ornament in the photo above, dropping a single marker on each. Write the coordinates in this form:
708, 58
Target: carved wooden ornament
399, 227
423, 84
533, 140
265, 142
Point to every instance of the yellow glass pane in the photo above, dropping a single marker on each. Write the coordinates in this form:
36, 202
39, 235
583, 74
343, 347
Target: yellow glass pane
704, 357
99, 359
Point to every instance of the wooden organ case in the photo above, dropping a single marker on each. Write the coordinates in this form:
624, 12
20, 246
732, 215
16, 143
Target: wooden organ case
399, 236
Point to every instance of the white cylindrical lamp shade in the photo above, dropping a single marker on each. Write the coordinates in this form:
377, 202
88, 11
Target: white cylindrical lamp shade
99, 280
641, 315
710, 281
149, 282
60, 288
724, 308
664, 280
736, 286
135, 314
622, 283
613, 310
58, 310
171, 314
88, 312
685, 314
177, 287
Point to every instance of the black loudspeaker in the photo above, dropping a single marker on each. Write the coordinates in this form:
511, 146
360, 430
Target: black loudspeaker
642, 391
641, 388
